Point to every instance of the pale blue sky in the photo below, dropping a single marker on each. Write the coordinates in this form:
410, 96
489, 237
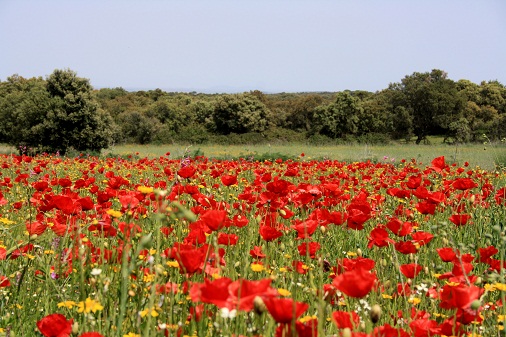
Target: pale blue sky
241, 45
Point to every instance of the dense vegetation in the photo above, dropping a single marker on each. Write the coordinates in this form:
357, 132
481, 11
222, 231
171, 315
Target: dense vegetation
63, 112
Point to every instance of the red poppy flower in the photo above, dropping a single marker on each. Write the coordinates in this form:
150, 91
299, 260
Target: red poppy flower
190, 260
438, 164
414, 181
186, 172
214, 219
214, 292
447, 254
35, 228
309, 248
242, 293
284, 310
4, 282
269, 233
379, 237
389, 331
459, 296
500, 196
346, 264
410, 270
423, 327
464, 184
306, 228
55, 325
66, 204
300, 267
3, 253
355, 283
227, 239
405, 247
422, 238
128, 200
257, 253
228, 180
460, 219
485, 254
345, 319
399, 228
426, 207
91, 334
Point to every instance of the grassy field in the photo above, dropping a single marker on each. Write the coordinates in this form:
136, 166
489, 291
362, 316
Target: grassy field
486, 156
482, 156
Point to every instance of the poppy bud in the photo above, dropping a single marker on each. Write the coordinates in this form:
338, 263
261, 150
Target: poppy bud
323, 229
359, 252
475, 305
259, 305
75, 328
375, 313
346, 332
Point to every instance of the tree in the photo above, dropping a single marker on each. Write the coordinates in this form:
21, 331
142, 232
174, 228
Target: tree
24, 103
338, 118
239, 113
301, 116
137, 127
54, 115
433, 101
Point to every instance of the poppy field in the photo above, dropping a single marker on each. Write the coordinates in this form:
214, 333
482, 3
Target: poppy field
195, 246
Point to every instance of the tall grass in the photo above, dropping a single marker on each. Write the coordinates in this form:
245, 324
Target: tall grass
477, 155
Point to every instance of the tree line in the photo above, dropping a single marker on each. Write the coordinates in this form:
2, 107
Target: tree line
63, 111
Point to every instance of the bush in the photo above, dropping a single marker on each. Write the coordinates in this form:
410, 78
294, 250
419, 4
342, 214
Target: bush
189, 134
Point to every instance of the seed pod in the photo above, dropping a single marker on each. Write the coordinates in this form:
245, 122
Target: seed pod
375, 313
475, 305
259, 305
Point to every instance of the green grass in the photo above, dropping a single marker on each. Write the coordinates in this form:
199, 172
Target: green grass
476, 155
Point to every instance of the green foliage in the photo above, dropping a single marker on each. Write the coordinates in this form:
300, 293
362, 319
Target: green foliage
188, 134
432, 100
137, 128
239, 113
339, 118
53, 115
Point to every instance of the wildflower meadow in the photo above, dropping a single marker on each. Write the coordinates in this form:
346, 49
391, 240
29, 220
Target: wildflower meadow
195, 246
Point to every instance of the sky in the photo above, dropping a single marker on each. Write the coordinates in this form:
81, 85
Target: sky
219, 46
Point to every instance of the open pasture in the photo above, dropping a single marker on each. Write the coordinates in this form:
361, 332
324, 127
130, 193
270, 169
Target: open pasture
173, 245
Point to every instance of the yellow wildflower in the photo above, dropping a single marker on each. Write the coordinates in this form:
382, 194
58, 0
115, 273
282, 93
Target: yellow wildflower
151, 311
173, 264
67, 304
89, 305
131, 334
386, 296
257, 267
284, 292
500, 286
414, 300
145, 189
113, 213
6, 221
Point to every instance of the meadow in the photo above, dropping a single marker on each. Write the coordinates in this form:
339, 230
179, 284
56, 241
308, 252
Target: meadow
318, 242
486, 155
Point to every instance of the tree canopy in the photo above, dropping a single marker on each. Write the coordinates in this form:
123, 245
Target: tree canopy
63, 111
